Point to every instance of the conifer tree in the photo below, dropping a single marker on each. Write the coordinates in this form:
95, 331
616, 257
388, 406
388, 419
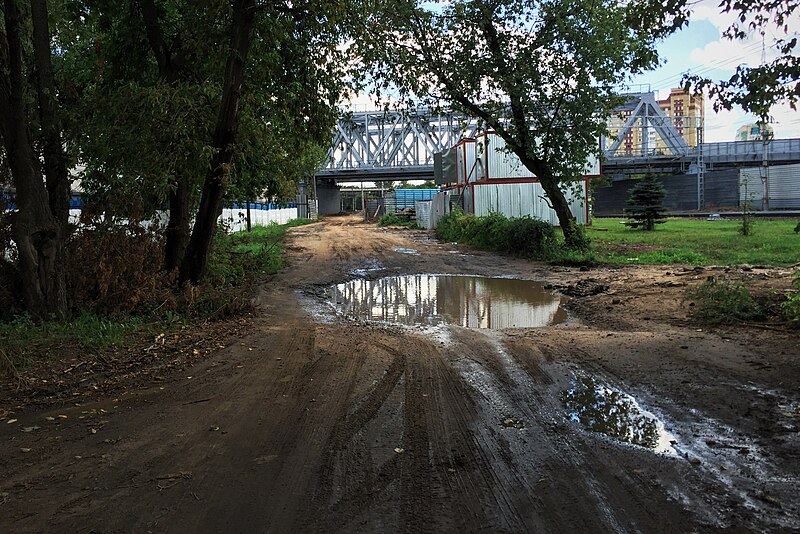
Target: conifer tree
644, 205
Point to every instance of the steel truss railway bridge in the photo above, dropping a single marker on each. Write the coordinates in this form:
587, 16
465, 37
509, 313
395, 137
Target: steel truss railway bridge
394, 145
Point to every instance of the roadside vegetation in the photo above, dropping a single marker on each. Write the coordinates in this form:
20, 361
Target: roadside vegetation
391, 219
526, 237
119, 309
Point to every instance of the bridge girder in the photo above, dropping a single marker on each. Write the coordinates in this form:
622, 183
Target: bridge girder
392, 143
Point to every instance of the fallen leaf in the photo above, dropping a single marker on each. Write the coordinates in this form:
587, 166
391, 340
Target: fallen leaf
11, 421
30, 428
399, 450
93, 431
25, 449
213, 429
49, 418
62, 416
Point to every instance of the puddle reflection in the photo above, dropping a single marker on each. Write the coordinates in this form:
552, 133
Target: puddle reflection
470, 301
600, 408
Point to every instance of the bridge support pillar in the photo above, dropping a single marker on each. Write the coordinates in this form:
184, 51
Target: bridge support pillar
328, 196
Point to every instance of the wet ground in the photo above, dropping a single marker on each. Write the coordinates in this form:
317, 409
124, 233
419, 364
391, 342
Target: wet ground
374, 397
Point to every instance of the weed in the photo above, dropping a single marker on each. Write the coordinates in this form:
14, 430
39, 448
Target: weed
791, 307
720, 301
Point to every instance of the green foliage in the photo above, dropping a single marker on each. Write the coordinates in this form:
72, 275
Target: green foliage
644, 205
543, 75
242, 256
427, 184
527, 237
756, 89
720, 301
791, 307
391, 219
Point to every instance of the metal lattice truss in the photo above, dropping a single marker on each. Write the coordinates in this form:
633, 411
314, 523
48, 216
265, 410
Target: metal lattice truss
646, 121
392, 142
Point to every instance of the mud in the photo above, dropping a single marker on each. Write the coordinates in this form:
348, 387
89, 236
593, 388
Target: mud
319, 423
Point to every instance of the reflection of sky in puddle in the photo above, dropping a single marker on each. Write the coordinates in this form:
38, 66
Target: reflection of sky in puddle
470, 301
406, 251
600, 408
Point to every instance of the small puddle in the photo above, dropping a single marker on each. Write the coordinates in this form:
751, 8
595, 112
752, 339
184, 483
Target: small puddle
470, 301
600, 408
406, 251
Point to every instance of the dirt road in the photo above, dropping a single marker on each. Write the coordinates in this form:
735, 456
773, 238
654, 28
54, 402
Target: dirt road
318, 423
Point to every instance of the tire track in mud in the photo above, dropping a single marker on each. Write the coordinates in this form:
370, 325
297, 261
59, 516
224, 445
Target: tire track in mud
338, 510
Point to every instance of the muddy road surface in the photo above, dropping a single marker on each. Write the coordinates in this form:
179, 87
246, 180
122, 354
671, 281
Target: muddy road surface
625, 417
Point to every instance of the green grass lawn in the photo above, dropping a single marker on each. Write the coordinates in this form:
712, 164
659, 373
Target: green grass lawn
695, 242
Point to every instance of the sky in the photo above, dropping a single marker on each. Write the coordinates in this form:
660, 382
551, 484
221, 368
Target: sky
701, 49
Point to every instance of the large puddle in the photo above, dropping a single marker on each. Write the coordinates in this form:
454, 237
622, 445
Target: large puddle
470, 301
600, 408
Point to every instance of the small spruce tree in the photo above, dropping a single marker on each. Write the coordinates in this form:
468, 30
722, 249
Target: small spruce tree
644, 204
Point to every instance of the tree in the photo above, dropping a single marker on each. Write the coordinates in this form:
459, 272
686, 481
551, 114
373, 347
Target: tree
153, 79
38, 226
757, 89
542, 74
644, 205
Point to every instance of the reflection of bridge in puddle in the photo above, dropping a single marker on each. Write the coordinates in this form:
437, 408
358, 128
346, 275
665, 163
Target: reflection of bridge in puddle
470, 301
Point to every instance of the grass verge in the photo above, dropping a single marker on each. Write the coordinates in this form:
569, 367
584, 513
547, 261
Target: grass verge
694, 242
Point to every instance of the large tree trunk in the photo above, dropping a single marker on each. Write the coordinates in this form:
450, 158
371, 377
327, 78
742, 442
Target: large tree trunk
55, 159
36, 232
195, 260
180, 198
178, 225
573, 235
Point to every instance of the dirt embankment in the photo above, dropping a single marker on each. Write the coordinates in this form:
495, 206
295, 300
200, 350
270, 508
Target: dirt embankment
309, 422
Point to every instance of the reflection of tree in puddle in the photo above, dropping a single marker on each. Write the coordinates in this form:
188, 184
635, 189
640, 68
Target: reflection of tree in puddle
602, 409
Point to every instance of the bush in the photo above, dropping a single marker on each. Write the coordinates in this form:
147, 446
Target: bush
527, 237
719, 301
391, 219
791, 308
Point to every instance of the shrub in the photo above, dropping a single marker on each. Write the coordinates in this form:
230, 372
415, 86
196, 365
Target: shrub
391, 219
527, 237
791, 308
720, 301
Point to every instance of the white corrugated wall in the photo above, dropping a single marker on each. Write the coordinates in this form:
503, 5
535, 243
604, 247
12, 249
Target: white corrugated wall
490, 148
423, 209
525, 199
784, 186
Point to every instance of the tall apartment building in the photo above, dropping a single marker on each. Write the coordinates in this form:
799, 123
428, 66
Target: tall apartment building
685, 112
752, 132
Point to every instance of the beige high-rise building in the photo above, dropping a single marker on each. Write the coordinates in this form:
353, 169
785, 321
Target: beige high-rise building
685, 111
